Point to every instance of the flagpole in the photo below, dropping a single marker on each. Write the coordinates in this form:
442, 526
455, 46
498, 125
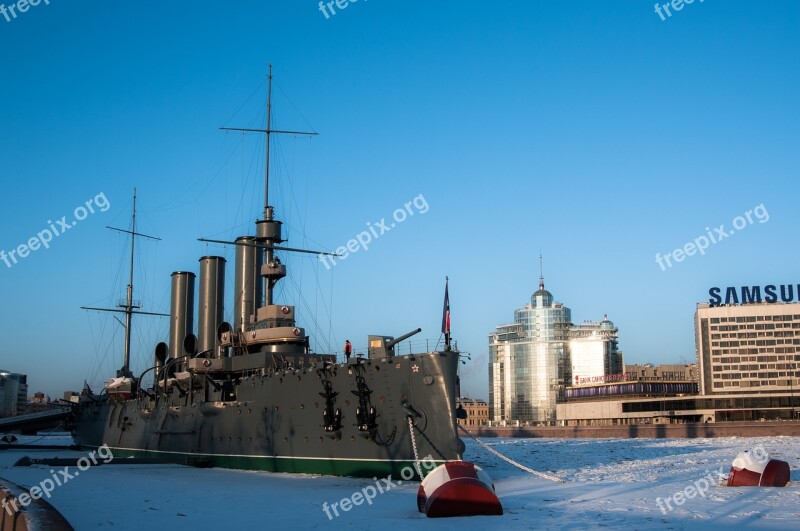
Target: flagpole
446, 316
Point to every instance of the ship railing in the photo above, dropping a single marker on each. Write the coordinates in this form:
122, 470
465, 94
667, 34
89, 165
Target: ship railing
409, 346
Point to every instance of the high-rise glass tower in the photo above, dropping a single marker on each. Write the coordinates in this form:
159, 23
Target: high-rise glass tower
529, 361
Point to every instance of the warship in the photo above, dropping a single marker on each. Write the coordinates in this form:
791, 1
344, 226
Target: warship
254, 394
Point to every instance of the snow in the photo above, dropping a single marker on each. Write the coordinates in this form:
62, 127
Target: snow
609, 483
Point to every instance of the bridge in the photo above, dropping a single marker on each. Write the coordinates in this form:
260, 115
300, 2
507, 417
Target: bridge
34, 422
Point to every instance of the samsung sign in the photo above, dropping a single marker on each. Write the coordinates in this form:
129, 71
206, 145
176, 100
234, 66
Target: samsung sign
751, 294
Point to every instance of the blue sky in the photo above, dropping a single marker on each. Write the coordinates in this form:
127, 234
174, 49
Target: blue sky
592, 132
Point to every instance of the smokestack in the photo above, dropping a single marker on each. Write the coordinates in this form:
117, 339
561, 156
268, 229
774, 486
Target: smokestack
211, 305
248, 282
181, 311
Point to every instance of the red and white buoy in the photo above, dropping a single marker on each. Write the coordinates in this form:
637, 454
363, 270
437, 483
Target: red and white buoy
750, 470
458, 488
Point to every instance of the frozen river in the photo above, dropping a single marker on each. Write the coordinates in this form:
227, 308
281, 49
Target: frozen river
615, 484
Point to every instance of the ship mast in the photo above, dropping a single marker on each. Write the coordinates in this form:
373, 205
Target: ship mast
268, 132
129, 307
268, 230
129, 301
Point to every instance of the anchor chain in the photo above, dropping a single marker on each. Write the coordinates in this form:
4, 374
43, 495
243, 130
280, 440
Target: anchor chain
414, 446
511, 461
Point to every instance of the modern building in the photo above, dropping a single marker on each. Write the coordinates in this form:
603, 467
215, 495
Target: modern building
748, 368
748, 348
593, 351
643, 394
13, 394
529, 362
477, 411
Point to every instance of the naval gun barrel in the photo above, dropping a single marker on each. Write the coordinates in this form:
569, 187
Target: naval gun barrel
397, 340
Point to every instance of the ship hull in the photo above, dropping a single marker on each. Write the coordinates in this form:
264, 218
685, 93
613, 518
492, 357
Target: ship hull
275, 420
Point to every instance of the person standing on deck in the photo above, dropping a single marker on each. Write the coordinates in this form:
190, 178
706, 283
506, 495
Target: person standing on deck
348, 349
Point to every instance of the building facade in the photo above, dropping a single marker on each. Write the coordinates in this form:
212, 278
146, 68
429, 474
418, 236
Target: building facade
529, 362
477, 412
593, 351
748, 348
642, 394
686, 372
13, 394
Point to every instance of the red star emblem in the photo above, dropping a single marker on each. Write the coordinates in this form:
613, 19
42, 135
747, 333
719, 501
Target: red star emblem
415, 368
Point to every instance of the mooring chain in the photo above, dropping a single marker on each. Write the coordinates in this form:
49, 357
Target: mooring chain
414, 446
511, 461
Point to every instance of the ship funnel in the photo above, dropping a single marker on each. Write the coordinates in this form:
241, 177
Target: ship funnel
211, 304
247, 283
181, 311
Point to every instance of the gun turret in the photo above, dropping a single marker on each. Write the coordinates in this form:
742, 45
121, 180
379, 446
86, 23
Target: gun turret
381, 347
390, 345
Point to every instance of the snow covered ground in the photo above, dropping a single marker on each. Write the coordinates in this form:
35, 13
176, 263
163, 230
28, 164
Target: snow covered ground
609, 483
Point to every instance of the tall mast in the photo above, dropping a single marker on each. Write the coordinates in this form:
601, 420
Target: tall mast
268, 132
268, 230
129, 307
129, 302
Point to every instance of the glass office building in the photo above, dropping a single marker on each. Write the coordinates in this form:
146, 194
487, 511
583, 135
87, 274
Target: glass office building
594, 352
529, 362
13, 394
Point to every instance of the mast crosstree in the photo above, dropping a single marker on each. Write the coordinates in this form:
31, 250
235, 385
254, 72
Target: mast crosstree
269, 131
268, 229
129, 307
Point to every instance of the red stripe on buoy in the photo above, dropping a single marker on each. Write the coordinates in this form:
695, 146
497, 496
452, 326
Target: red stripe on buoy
458, 488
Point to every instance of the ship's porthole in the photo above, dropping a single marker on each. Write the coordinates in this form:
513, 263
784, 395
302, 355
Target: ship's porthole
377, 367
316, 405
302, 406
250, 439
306, 439
352, 437
383, 399
347, 402
286, 439
276, 408
396, 365
320, 439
